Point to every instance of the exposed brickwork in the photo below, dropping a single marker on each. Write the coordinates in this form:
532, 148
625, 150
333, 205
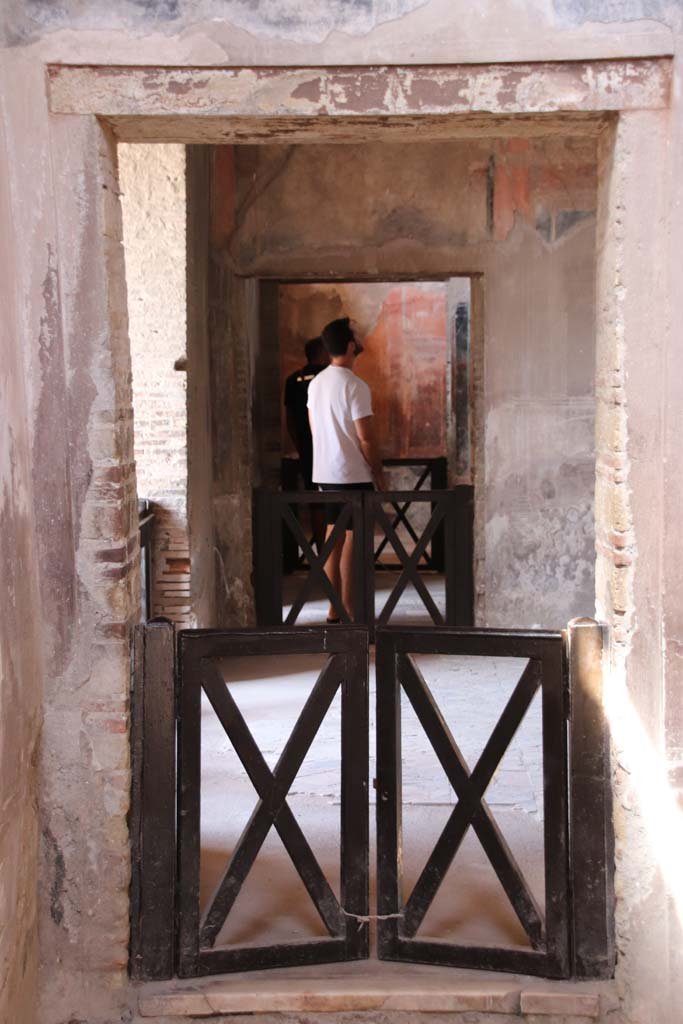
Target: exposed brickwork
171, 568
153, 203
631, 558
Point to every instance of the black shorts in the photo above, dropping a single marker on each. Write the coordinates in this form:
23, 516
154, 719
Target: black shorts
333, 510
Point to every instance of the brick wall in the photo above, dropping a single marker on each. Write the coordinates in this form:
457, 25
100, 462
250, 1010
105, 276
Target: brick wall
153, 203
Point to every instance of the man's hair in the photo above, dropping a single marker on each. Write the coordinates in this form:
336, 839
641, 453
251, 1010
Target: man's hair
314, 349
337, 335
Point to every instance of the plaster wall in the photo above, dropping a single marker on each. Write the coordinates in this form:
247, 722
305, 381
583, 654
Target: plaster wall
634, 562
21, 664
70, 330
71, 322
152, 181
521, 213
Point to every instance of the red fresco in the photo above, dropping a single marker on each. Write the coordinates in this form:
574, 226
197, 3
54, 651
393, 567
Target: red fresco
404, 362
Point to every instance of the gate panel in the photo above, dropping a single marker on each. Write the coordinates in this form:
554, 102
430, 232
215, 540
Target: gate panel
436, 472
346, 921
450, 514
400, 915
377, 519
275, 511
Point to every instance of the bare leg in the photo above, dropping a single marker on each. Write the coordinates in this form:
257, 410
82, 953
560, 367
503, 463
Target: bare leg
346, 567
332, 568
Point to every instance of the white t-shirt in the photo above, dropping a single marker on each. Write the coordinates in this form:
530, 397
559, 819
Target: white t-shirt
337, 397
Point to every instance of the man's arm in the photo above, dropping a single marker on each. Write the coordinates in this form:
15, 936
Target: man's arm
365, 430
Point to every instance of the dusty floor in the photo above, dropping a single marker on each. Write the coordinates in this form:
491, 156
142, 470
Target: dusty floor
273, 904
410, 610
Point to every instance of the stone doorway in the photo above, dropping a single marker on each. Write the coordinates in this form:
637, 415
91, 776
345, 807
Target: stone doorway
234, 265
78, 136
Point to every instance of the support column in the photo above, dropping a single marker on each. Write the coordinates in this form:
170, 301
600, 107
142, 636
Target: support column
233, 326
86, 407
634, 206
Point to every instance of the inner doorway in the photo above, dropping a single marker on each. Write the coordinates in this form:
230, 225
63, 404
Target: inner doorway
416, 360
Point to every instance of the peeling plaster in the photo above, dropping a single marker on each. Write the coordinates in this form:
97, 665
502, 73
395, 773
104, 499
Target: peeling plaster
54, 536
596, 86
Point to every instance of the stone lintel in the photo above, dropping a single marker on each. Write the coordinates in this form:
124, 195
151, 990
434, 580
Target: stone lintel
380, 91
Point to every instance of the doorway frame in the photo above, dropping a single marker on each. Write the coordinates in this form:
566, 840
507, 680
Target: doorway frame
91, 108
477, 314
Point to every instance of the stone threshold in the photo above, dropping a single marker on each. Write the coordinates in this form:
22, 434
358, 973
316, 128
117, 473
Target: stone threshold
376, 987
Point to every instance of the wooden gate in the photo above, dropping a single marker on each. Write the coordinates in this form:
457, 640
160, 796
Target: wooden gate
401, 914
571, 935
346, 668
443, 541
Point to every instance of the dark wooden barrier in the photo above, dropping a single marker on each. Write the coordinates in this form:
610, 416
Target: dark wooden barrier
451, 518
573, 936
400, 914
432, 475
448, 518
346, 920
591, 826
275, 511
153, 802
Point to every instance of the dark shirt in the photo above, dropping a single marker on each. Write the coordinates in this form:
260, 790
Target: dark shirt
296, 398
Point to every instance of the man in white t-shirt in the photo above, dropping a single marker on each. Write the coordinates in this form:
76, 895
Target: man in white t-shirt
345, 455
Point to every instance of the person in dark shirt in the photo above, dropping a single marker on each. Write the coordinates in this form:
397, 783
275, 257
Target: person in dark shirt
298, 427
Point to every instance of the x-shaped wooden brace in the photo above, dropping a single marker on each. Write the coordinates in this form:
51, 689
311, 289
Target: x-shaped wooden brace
409, 572
471, 808
272, 808
401, 517
316, 563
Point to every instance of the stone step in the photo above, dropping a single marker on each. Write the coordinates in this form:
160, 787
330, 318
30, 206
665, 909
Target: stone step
389, 987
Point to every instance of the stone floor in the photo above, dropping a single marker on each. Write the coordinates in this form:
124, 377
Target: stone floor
273, 905
410, 610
